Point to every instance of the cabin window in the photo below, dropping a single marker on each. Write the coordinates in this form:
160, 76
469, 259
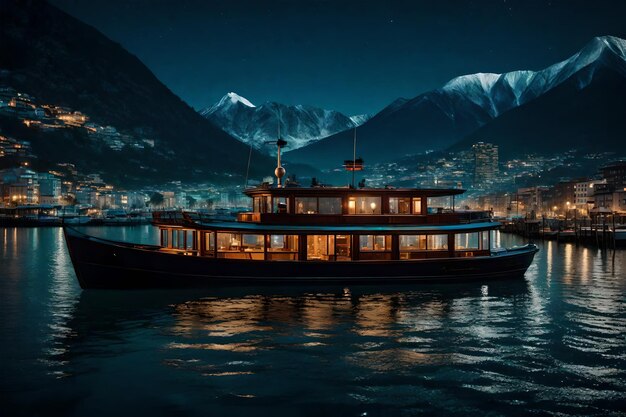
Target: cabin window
342, 247
437, 242
374, 243
329, 247
412, 246
240, 246
209, 243
190, 240
399, 205
467, 241
364, 205
164, 239
252, 243
375, 247
306, 205
262, 204
180, 239
412, 242
280, 205
417, 205
282, 248
330, 205
485, 241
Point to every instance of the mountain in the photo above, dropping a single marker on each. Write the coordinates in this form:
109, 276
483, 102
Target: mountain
438, 119
52, 56
589, 118
299, 125
359, 119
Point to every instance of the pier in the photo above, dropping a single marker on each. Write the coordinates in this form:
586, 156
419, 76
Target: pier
601, 229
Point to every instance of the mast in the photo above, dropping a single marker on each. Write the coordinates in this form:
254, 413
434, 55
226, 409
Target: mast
353, 156
279, 171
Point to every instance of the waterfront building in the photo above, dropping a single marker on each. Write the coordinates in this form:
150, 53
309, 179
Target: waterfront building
609, 198
561, 197
530, 200
485, 164
86, 194
20, 186
583, 194
49, 189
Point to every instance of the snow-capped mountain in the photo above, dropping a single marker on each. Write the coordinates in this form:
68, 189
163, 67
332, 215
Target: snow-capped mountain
439, 118
359, 119
299, 125
497, 93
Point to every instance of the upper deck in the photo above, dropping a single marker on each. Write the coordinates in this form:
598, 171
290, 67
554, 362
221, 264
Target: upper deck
347, 205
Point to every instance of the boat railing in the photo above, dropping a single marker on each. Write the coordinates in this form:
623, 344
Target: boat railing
444, 217
249, 217
168, 217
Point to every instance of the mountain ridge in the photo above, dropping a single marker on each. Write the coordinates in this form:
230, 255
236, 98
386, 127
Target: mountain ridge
439, 118
300, 124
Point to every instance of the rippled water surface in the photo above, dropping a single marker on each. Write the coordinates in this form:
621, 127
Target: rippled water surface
553, 343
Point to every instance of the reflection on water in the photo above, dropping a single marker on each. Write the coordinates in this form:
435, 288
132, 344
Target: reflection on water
552, 343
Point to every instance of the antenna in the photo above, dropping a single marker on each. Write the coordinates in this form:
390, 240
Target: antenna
354, 164
278, 110
248, 169
353, 156
279, 171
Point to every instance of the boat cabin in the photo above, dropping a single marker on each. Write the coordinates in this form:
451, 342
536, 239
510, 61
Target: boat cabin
337, 224
345, 205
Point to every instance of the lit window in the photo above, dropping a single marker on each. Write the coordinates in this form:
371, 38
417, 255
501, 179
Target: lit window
306, 205
375, 243
398, 205
364, 205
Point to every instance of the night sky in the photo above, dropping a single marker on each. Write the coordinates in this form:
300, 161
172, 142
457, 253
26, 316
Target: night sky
355, 57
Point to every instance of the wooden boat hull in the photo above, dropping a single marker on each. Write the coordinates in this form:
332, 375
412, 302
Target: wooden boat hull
101, 263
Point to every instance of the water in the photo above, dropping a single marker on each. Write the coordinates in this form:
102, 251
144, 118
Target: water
551, 344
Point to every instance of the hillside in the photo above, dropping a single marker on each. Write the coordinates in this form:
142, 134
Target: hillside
59, 60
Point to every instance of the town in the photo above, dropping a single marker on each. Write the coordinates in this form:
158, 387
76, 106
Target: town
509, 189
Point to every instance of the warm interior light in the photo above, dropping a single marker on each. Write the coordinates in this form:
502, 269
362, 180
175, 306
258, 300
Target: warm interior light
373, 206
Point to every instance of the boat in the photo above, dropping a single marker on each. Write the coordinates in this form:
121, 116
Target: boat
312, 235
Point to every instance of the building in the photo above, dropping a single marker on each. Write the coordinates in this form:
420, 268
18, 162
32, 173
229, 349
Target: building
86, 194
49, 189
615, 174
531, 200
21, 186
611, 195
583, 194
562, 197
485, 164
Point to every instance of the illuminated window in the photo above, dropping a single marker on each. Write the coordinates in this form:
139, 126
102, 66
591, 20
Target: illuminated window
374, 243
240, 246
262, 204
364, 205
282, 248
417, 206
467, 241
281, 205
306, 205
329, 247
209, 243
437, 242
410, 243
399, 205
